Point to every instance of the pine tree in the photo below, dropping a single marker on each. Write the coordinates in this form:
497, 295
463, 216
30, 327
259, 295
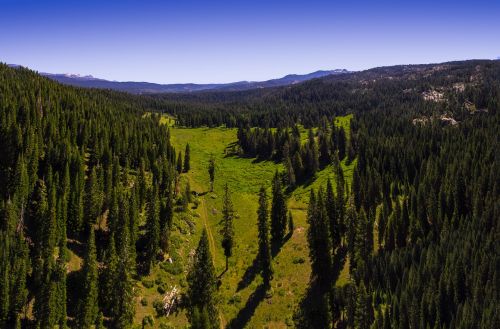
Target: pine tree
364, 310
60, 277
290, 171
319, 241
187, 158
312, 154
264, 254
99, 321
4, 278
324, 146
331, 210
278, 213
179, 163
123, 311
142, 190
351, 220
152, 229
20, 267
202, 284
93, 200
341, 142
200, 320
403, 226
227, 225
363, 244
45, 307
108, 276
356, 189
87, 307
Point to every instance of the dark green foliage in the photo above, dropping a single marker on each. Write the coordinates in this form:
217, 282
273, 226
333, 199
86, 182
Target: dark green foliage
152, 229
93, 200
179, 163
87, 305
69, 157
202, 282
227, 225
319, 241
264, 253
187, 159
278, 212
200, 320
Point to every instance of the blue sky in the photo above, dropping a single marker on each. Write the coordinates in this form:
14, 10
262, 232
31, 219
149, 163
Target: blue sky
224, 41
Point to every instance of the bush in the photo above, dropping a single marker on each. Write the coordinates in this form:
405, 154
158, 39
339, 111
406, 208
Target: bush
235, 299
147, 283
162, 288
298, 260
174, 268
144, 302
158, 306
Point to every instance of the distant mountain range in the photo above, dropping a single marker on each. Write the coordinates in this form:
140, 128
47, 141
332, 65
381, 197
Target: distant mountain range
89, 81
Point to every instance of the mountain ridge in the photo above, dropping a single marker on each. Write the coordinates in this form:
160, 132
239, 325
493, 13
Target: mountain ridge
143, 87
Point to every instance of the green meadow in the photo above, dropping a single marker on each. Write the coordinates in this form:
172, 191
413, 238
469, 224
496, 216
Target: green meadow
240, 303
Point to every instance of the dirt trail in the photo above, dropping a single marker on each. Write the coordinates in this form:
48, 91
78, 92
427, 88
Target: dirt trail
207, 227
204, 215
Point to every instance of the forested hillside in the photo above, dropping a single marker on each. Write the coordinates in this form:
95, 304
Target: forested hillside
364, 200
73, 184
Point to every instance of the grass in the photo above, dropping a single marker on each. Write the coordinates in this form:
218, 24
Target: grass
241, 299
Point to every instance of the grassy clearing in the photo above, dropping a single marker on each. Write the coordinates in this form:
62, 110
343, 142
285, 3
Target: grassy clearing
244, 177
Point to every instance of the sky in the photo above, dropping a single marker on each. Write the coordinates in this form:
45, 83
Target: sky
225, 41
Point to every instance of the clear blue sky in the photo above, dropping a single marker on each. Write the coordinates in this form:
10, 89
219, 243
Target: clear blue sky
222, 41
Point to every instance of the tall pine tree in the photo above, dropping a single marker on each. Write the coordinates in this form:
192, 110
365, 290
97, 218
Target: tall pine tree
278, 212
87, 305
227, 225
264, 254
202, 285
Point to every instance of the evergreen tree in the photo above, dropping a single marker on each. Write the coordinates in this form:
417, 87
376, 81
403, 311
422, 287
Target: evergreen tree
319, 241
108, 277
152, 229
278, 212
351, 222
179, 163
332, 213
200, 320
290, 172
227, 225
142, 186
364, 310
187, 159
202, 285
93, 199
4, 278
264, 254
45, 307
87, 305
123, 311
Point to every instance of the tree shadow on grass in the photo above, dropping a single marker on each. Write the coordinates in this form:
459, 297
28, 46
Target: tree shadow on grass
246, 313
276, 247
249, 275
254, 269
